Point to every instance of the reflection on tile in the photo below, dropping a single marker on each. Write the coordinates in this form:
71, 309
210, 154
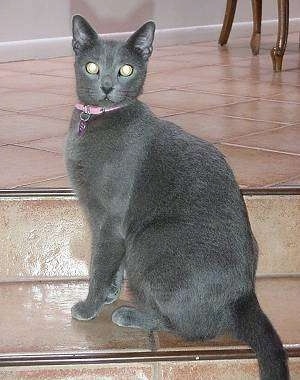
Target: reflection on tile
218, 128
40, 83
15, 128
275, 221
284, 139
45, 310
52, 239
29, 100
52, 183
291, 182
186, 101
266, 168
23, 165
56, 112
237, 88
53, 144
263, 110
62, 247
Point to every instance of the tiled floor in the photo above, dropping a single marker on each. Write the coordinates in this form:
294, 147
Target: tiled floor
224, 95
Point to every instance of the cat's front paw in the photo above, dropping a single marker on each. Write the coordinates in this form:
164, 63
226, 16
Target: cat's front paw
83, 311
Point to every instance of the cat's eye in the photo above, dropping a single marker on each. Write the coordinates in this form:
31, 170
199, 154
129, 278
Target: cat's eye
92, 68
126, 70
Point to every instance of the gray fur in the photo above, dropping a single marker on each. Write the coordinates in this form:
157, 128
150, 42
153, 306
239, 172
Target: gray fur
165, 206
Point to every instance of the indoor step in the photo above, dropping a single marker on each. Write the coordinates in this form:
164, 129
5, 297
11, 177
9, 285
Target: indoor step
45, 236
40, 340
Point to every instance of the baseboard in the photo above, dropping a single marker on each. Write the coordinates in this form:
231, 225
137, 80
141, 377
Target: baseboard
61, 46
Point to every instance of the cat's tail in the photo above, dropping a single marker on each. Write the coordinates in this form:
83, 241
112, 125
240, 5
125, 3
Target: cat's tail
253, 327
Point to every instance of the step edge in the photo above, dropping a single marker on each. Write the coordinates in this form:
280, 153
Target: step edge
80, 358
67, 192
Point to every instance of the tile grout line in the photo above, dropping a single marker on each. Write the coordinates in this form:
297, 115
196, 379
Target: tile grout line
38, 149
283, 181
36, 182
261, 149
231, 139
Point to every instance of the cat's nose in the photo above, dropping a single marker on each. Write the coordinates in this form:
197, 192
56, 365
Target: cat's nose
106, 90
106, 85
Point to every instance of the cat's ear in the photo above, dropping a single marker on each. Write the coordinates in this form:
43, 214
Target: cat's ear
83, 34
142, 39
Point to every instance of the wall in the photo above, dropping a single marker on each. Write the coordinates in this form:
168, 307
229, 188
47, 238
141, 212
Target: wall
34, 20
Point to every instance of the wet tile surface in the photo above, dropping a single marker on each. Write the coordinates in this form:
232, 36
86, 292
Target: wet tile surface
218, 128
240, 92
45, 309
266, 169
52, 239
32, 165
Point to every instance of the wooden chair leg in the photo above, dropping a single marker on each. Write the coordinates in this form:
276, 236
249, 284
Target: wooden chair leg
277, 52
228, 20
255, 39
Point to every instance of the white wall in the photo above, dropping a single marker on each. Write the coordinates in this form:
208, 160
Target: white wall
26, 22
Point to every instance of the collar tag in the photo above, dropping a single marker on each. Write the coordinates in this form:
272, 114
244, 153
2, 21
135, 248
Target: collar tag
84, 118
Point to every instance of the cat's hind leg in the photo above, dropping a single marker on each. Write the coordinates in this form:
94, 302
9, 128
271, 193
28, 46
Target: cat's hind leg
131, 317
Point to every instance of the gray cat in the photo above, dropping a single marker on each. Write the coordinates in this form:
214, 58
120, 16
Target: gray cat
163, 205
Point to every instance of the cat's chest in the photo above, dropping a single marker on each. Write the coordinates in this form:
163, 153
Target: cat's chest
102, 167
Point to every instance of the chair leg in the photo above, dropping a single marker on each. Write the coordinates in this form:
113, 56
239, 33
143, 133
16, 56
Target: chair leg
277, 52
255, 39
228, 20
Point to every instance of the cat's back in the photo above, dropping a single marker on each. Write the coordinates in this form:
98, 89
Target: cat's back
183, 161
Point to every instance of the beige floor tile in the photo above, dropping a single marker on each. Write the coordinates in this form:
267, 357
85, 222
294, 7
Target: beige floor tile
136, 371
53, 183
187, 101
38, 83
53, 144
238, 88
168, 66
243, 369
264, 110
163, 112
255, 168
218, 128
199, 59
30, 100
291, 182
4, 73
284, 139
181, 49
34, 66
24, 165
161, 81
56, 112
289, 94
63, 72
46, 308
15, 128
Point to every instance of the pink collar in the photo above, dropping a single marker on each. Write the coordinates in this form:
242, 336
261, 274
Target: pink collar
95, 110
87, 111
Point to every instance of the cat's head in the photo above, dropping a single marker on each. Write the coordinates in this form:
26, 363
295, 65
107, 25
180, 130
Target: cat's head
109, 72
